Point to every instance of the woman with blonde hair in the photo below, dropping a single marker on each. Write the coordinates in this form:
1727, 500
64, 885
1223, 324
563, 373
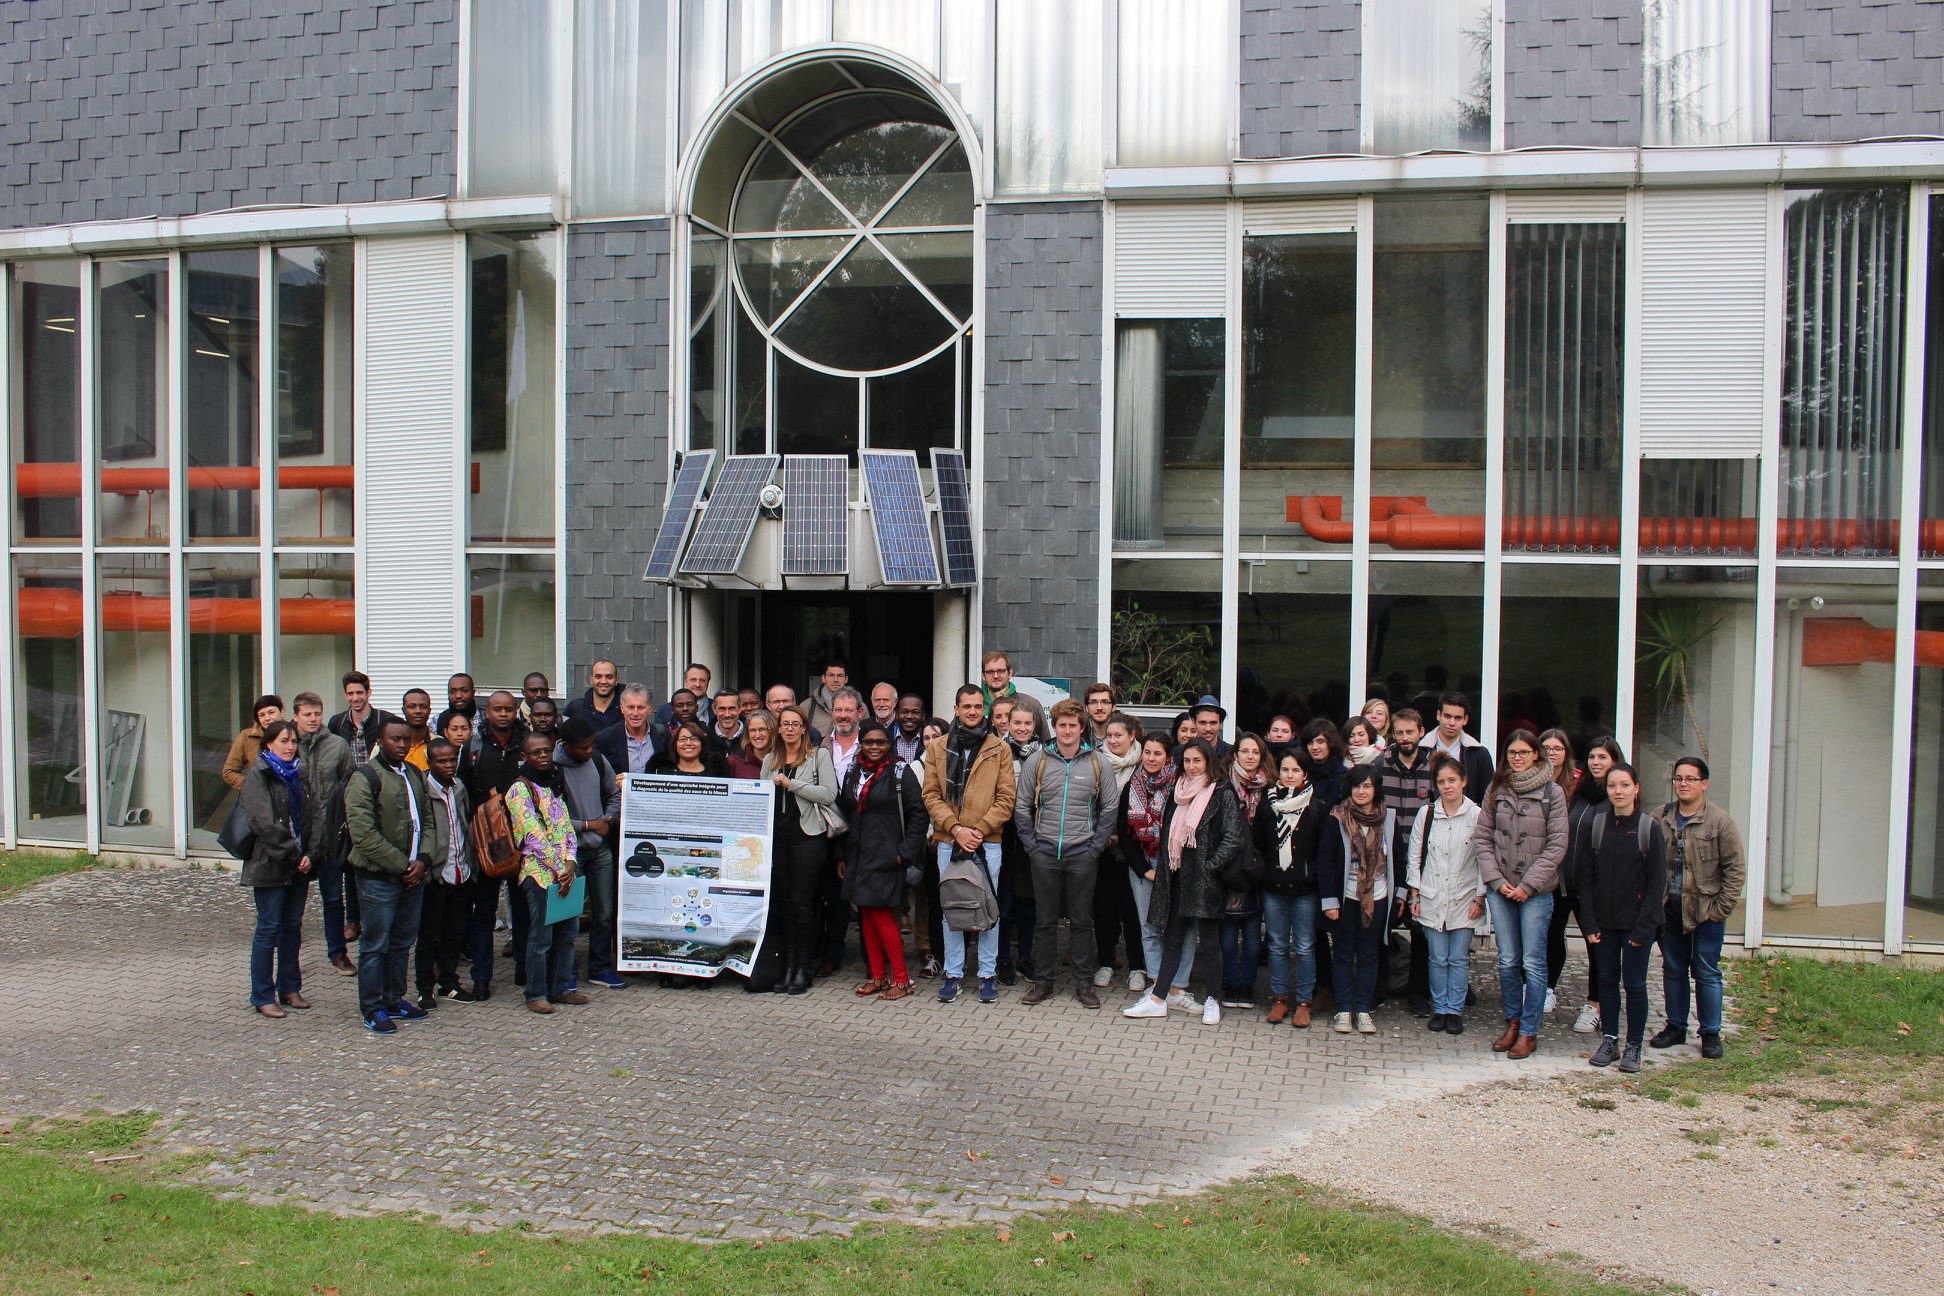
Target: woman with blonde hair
806, 787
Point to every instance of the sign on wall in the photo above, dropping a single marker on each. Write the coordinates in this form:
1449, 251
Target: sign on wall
695, 873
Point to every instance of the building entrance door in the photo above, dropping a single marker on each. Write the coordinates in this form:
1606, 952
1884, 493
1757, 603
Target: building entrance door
879, 636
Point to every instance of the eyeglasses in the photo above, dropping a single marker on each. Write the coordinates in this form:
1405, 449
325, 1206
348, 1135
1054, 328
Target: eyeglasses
995, 670
1689, 778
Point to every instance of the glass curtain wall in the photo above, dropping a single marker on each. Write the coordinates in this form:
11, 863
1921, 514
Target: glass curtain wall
1174, 82
48, 715
220, 394
1924, 884
1706, 66
137, 701
44, 359
1169, 432
1428, 75
1559, 631
131, 408
315, 473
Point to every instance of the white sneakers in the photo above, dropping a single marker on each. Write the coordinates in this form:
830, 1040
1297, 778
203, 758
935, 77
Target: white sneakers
1588, 1020
1179, 998
1146, 1006
1212, 1011
1103, 977
1552, 1000
1341, 1023
1365, 1026
1137, 980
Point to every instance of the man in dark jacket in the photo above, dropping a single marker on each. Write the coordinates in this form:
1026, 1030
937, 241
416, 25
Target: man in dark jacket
1707, 867
495, 767
594, 802
460, 700
448, 881
324, 759
630, 746
360, 722
1449, 737
600, 705
394, 834
1404, 773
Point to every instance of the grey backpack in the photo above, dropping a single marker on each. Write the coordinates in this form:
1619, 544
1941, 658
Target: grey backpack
965, 895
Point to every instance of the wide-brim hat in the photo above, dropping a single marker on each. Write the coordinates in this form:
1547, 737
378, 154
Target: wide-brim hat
1207, 702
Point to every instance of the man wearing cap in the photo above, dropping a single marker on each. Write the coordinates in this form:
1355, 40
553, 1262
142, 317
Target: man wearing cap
1209, 716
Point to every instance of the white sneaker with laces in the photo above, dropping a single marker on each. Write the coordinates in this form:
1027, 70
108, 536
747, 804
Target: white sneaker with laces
1341, 1023
1588, 1020
1552, 1000
1146, 1006
1103, 977
1211, 1011
1179, 998
1137, 980
1365, 1026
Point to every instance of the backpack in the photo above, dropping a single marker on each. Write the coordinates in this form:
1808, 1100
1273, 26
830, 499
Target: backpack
1604, 816
337, 829
497, 854
965, 895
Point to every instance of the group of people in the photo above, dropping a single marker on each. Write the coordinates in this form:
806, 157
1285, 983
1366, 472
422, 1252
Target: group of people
1366, 856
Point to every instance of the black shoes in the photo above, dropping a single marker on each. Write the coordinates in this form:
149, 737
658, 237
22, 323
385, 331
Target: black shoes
798, 980
1710, 1044
1437, 1023
1669, 1036
1420, 1005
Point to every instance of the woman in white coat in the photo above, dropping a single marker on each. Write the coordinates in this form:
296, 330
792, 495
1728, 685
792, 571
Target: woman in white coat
1446, 893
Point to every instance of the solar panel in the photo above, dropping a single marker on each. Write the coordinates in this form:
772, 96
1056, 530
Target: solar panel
955, 517
904, 536
730, 515
816, 515
675, 518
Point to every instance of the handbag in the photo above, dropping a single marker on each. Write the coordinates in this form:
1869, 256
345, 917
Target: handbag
835, 825
236, 836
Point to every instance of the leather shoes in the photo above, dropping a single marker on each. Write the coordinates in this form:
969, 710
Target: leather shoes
571, 997
270, 1010
1509, 1038
1040, 993
1301, 1017
343, 966
1436, 1024
293, 1000
540, 1006
1085, 994
1278, 1009
1668, 1037
1523, 1047
482, 991
799, 980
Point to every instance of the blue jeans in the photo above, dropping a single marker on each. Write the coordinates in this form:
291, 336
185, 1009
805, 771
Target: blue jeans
1292, 922
1353, 951
596, 864
330, 895
1241, 951
1694, 953
1150, 936
550, 946
989, 938
279, 929
1450, 968
390, 913
1520, 929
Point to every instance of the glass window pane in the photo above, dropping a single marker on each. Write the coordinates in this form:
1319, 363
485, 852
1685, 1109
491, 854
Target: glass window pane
514, 440
45, 366
705, 31
1931, 538
941, 196
1694, 683
515, 114
1428, 75
315, 474
512, 618
1707, 72
1427, 634
709, 333
1049, 96
751, 422
760, 29
1293, 643
221, 394
865, 315
225, 677
132, 401
1299, 389
1828, 811
864, 147
777, 195
317, 621
621, 79
1842, 371
1699, 506
775, 272
1175, 82
1559, 633
913, 409
907, 27
1168, 434
1428, 374
138, 702
1166, 652
816, 413
967, 70
942, 263
1924, 912
47, 714
1565, 310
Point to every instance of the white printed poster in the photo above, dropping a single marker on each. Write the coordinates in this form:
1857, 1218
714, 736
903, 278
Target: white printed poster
695, 873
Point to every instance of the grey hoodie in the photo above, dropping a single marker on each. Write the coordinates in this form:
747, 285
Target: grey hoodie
591, 792
1066, 807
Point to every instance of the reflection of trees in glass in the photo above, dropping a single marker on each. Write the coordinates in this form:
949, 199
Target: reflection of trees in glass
1474, 107
1159, 662
1678, 82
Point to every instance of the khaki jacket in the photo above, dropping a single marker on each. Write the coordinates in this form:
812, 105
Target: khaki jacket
989, 792
243, 752
1713, 867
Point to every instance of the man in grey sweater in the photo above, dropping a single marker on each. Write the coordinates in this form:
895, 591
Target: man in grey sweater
1064, 815
594, 802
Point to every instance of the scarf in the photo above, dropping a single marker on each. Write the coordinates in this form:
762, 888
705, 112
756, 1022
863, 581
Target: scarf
1147, 806
1123, 766
868, 774
1289, 805
1536, 776
1248, 790
1192, 796
961, 749
1021, 750
288, 774
1365, 828
1362, 755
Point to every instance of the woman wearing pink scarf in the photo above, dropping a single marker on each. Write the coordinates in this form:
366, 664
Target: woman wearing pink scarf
1202, 835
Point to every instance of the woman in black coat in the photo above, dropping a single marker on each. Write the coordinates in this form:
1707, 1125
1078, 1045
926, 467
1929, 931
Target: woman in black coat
1621, 885
886, 837
278, 870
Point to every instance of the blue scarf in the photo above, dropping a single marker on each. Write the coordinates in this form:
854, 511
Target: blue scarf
286, 771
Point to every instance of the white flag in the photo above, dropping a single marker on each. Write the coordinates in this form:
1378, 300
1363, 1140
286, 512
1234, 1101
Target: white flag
516, 359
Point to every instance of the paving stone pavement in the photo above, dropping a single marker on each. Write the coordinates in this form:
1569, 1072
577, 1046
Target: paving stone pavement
704, 1113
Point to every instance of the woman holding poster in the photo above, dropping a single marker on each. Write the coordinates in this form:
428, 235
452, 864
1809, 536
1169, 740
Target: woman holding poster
886, 835
806, 786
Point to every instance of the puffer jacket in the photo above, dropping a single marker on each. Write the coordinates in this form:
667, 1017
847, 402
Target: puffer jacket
886, 834
1065, 806
1195, 890
1713, 865
1521, 839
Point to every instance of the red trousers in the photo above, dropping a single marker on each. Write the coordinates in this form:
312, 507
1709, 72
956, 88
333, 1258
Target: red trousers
883, 943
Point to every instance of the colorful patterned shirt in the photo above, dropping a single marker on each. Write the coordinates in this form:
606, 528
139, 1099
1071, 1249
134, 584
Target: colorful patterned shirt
545, 833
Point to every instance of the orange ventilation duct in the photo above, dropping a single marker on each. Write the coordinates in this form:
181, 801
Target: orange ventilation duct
56, 614
1852, 641
63, 480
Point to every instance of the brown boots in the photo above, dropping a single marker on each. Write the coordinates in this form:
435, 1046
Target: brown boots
1509, 1038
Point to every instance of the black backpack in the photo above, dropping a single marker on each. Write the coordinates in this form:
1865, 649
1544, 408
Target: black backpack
337, 829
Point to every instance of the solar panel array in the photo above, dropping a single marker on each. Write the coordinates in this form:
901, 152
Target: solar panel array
730, 515
904, 536
675, 518
816, 515
955, 517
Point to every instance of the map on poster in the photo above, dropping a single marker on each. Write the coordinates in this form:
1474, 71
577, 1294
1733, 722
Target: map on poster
695, 873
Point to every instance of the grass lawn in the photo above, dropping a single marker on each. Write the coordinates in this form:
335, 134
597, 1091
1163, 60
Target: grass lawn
72, 1221
22, 868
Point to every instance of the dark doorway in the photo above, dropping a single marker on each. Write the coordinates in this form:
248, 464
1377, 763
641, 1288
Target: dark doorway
879, 636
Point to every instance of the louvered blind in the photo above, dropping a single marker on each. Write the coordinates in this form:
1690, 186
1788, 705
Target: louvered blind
1170, 260
1595, 207
1299, 216
409, 522
1703, 314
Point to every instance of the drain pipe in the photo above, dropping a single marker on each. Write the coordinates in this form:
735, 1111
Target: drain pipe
1785, 756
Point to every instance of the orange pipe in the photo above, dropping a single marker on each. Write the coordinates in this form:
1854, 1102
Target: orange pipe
56, 614
63, 480
1852, 641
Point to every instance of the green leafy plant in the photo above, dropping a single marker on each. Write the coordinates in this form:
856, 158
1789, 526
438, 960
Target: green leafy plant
1158, 662
1669, 638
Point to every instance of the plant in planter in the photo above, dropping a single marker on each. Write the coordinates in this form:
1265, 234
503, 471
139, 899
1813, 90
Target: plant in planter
1157, 662
1668, 641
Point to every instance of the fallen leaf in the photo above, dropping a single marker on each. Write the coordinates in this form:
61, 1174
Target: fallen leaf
1064, 1235
242, 1263
970, 1155
1004, 1234
115, 1197
1302, 1257
1186, 1220
1903, 1028
1056, 1179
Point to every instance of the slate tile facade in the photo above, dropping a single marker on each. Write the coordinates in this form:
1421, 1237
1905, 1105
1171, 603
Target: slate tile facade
1572, 73
1856, 69
1300, 70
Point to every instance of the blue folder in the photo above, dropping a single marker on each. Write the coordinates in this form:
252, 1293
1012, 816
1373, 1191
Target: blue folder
562, 907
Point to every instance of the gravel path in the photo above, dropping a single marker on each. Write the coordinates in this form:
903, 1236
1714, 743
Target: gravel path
1740, 1194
